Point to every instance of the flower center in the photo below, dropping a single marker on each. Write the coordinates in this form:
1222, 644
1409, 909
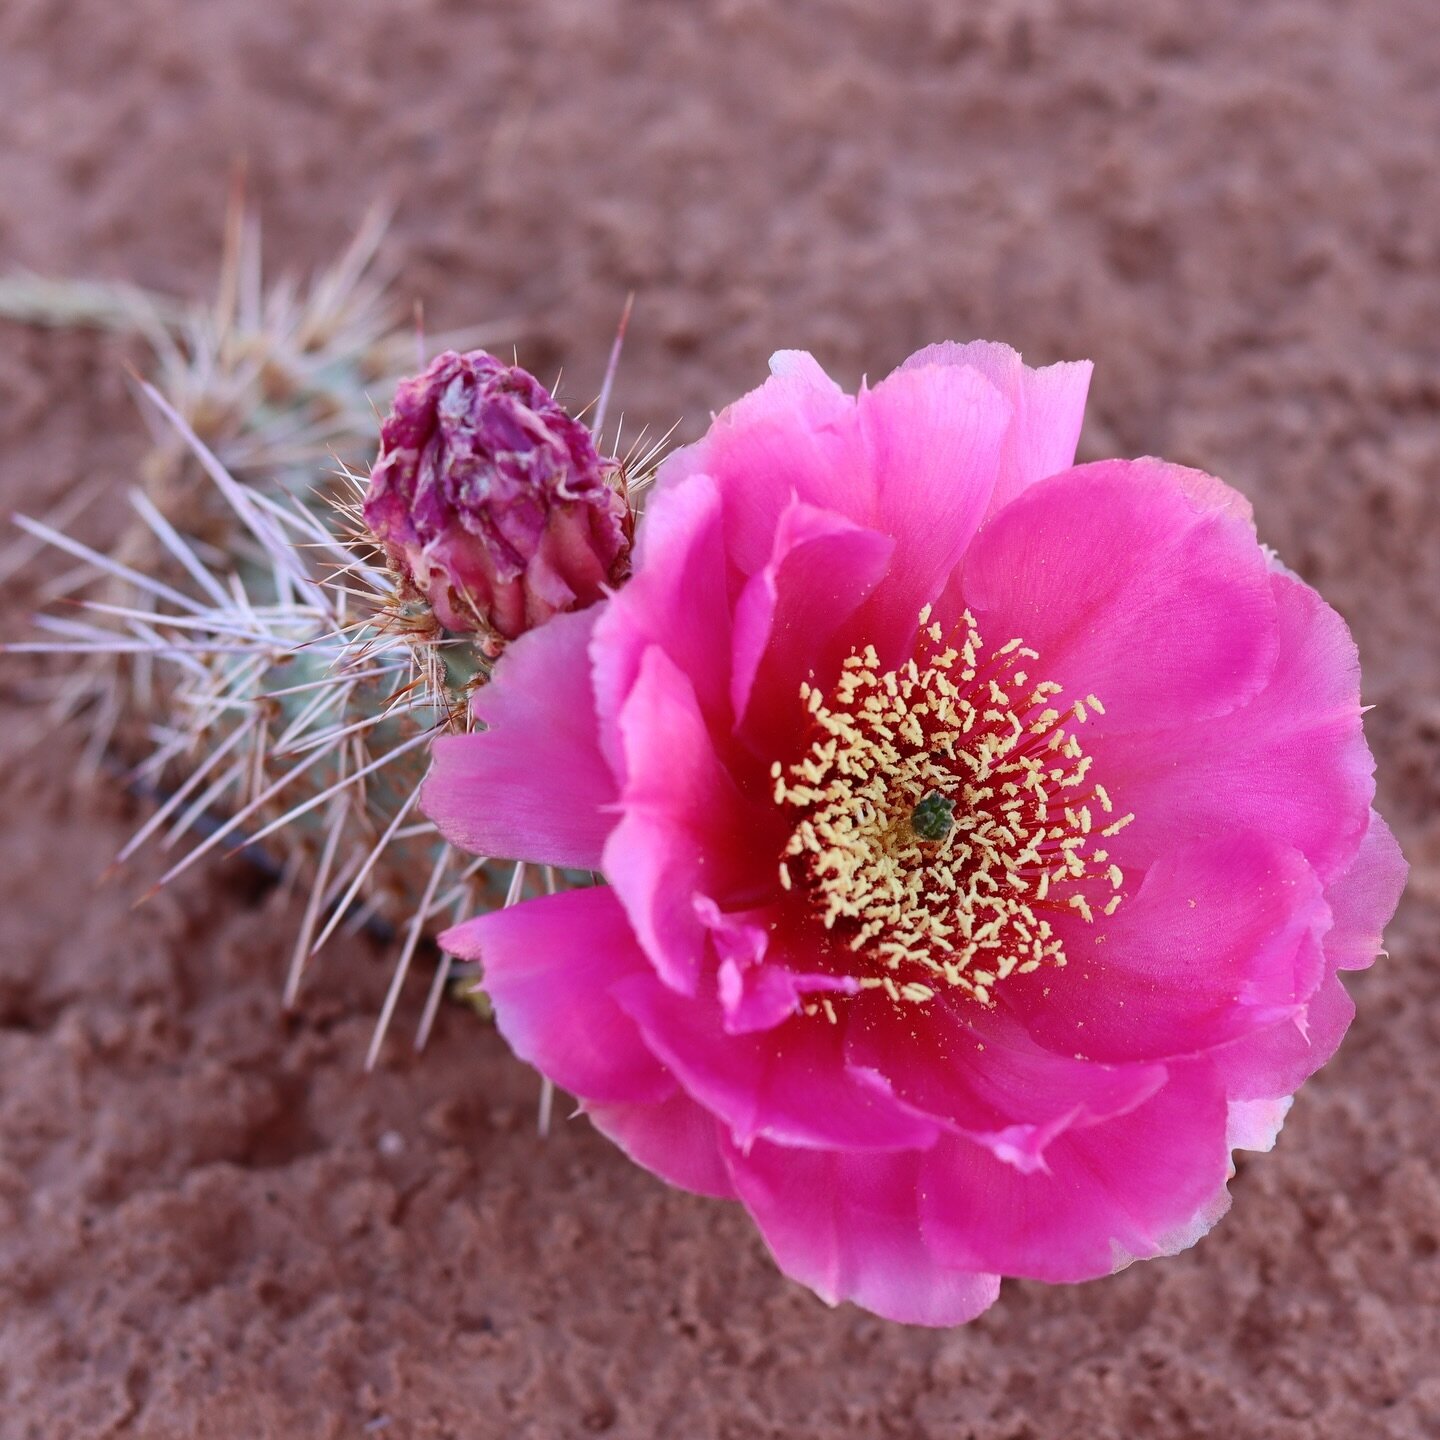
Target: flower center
944, 816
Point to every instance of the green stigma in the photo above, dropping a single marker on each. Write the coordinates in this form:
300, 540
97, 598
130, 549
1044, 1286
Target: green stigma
934, 817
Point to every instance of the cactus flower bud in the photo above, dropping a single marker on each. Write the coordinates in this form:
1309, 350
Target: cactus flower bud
492, 502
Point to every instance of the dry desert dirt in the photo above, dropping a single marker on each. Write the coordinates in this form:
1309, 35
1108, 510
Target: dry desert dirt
210, 1224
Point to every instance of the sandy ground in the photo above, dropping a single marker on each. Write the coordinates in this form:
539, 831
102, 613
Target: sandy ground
209, 1224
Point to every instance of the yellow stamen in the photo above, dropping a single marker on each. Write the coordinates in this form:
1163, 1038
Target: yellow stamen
961, 907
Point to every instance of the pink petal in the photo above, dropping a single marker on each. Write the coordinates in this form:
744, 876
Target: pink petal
1127, 1187
755, 995
848, 1227
790, 1084
1255, 1124
1048, 405
981, 1073
1291, 764
1274, 1063
549, 965
684, 831
1131, 589
678, 600
821, 568
932, 440
1207, 492
533, 785
1364, 898
1185, 1233
675, 1139
791, 438
760, 997
915, 458
1219, 941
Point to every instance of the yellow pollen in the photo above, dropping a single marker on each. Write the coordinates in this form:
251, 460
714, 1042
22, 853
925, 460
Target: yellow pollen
963, 905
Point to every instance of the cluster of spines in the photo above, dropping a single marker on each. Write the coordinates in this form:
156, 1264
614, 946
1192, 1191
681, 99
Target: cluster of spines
323, 766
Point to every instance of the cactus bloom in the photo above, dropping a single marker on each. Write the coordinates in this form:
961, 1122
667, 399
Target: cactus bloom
492, 502
985, 836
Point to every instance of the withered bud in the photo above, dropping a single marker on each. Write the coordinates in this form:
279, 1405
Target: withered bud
492, 502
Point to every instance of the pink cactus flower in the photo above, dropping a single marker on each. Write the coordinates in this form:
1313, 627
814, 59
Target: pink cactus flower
984, 836
491, 502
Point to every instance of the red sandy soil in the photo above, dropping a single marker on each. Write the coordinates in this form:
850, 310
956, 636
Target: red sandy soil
210, 1224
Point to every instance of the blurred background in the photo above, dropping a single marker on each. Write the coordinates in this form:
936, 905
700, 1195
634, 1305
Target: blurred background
209, 1223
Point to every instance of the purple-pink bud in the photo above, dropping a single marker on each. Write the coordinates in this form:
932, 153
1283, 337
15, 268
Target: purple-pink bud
491, 501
